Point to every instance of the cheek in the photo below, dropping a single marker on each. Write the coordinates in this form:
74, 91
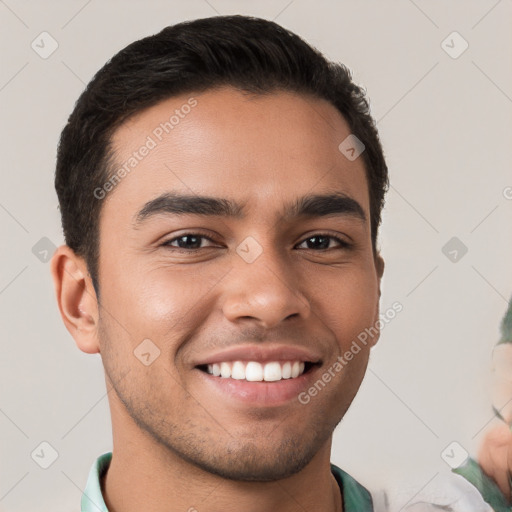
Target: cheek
346, 301
152, 302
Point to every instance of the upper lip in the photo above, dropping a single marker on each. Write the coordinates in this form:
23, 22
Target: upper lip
260, 353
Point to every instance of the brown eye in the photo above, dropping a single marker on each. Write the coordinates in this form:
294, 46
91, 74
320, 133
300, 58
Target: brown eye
322, 241
187, 241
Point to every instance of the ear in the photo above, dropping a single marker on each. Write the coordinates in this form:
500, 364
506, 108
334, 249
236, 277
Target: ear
379, 268
76, 298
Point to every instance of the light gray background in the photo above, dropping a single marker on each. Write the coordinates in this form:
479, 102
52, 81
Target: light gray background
445, 125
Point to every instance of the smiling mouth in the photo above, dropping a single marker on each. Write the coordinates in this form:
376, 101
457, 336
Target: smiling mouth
254, 371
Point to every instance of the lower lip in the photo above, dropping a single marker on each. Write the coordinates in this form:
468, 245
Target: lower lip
266, 394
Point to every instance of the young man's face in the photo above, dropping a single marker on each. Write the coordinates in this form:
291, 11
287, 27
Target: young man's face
262, 286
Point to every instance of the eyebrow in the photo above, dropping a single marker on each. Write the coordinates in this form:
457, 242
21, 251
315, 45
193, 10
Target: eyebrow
312, 205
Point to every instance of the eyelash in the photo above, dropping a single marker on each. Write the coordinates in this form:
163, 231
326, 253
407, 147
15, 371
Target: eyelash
342, 243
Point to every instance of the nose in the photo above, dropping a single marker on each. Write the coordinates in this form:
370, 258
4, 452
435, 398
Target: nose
265, 290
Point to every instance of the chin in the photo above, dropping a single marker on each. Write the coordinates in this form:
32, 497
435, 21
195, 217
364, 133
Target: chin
252, 466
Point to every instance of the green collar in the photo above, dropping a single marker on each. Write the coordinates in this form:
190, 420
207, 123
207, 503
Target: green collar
355, 497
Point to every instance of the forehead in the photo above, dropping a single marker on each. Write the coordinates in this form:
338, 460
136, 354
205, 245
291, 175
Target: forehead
262, 149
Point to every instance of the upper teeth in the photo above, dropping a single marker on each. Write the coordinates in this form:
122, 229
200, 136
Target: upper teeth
254, 371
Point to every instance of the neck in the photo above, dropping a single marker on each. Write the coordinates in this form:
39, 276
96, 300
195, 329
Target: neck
144, 475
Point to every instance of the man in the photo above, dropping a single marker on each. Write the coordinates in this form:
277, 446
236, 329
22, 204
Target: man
221, 186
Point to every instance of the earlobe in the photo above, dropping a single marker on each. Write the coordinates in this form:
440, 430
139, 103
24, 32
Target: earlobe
76, 298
